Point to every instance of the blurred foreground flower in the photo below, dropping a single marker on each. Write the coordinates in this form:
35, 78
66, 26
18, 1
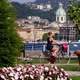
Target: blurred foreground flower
33, 72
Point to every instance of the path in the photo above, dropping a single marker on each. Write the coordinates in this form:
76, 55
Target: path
73, 73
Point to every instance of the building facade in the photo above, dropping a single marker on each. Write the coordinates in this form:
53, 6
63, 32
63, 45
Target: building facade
61, 14
34, 27
67, 30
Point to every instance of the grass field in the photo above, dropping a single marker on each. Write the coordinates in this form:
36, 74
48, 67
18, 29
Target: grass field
72, 66
67, 67
76, 78
45, 60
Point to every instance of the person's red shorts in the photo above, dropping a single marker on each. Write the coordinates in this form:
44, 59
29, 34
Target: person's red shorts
52, 59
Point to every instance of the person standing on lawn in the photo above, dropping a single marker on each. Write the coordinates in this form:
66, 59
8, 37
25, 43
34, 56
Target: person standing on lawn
52, 47
49, 40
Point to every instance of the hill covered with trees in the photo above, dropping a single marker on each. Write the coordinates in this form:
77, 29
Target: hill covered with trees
23, 10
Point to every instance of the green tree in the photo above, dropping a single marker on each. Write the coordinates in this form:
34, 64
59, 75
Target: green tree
74, 12
10, 42
45, 36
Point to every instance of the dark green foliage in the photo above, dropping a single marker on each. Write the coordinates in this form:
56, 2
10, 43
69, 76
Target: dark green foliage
10, 42
45, 36
74, 12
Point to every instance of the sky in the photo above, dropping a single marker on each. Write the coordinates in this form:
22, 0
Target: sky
23, 1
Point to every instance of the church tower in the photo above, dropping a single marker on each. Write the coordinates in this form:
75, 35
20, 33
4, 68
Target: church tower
61, 14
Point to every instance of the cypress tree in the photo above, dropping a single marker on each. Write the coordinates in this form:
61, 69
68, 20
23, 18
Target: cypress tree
10, 41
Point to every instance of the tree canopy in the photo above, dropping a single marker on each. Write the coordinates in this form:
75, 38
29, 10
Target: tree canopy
10, 42
74, 12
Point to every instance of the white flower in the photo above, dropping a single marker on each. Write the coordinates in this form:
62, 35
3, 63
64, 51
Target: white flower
11, 74
16, 76
31, 76
62, 78
41, 77
49, 78
70, 79
33, 66
66, 74
61, 74
26, 75
58, 78
3, 77
21, 77
62, 69
46, 69
50, 73
18, 69
12, 78
4, 68
56, 67
24, 70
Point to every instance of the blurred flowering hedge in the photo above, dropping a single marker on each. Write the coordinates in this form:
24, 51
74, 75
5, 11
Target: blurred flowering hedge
33, 72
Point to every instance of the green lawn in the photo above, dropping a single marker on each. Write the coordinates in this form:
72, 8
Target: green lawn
45, 60
66, 67
70, 67
76, 78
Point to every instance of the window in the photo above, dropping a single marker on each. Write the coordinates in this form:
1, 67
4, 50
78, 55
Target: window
61, 18
57, 18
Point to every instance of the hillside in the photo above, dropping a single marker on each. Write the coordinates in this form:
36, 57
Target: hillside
23, 10
54, 2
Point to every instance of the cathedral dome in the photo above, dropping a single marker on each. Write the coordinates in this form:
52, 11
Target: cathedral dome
60, 11
60, 14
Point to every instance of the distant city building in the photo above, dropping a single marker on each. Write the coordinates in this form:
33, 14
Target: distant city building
61, 14
43, 7
67, 29
33, 28
60, 20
